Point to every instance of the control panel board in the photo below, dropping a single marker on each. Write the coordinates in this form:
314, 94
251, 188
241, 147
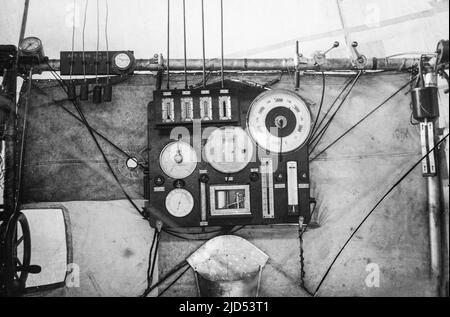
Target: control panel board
228, 156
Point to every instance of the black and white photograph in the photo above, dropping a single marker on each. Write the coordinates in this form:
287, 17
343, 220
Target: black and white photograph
224, 155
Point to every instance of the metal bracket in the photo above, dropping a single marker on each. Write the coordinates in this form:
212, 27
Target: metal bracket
360, 62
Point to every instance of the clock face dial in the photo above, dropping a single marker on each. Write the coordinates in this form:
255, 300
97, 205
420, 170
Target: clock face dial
229, 149
178, 160
179, 202
279, 121
122, 61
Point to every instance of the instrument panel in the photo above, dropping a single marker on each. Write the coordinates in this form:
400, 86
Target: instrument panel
228, 156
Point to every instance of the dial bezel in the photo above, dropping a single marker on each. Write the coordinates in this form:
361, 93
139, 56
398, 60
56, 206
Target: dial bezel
191, 168
219, 166
256, 103
120, 68
34, 51
187, 208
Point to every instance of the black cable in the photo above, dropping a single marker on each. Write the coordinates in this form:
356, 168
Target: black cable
59, 103
321, 134
173, 282
165, 277
320, 106
374, 208
364, 118
152, 262
91, 132
348, 82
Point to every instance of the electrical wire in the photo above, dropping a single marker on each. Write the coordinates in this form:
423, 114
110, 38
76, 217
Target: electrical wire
91, 132
98, 43
173, 282
321, 134
361, 120
184, 40
151, 262
165, 277
83, 39
108, 62
321, 104
347, 83
203, 44
168, 44
73, 40
373, 209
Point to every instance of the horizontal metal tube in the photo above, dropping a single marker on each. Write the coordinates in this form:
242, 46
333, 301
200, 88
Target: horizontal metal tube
243, 64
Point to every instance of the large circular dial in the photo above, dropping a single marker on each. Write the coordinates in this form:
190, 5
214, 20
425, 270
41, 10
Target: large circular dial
229, 149
30, 46
179, 202
279, 121
178, 160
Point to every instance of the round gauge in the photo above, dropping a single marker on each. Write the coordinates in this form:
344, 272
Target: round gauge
30, 46
179, 202
178, 160
279, 121
122, 61
228, 149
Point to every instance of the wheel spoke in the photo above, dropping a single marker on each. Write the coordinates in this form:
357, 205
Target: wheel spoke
19, 241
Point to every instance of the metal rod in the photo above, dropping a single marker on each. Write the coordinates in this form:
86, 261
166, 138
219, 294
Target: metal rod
168, 44
24, 21
184, 38
435, 232
203, 44
265, 64
221, 40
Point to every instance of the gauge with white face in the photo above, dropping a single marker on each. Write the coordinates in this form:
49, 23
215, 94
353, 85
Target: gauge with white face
122, 61
30, 45
179, 202
279, 121
229, 149
178, 160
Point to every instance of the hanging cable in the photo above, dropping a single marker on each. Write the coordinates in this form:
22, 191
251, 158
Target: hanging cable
221, 41
321, 134
91, 132
347, 83
184, 40
97, 95
166, 277
203, 44
168, 44
84, 88
173, 282
321, 104
363, 119
107, 93
373, 209
73, 41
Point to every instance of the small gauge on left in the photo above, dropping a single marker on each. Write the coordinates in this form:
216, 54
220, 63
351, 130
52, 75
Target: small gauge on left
178, 160
123, 62
31, 47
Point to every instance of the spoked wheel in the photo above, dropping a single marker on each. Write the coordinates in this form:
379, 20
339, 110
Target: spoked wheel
17, 254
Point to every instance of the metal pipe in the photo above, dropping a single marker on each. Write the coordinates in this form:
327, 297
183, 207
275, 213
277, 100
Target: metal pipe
255, 64
435, 231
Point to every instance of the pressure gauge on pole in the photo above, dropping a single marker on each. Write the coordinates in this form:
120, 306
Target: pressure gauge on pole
279, 121
178, 160
229, 149
31, 50
179, 202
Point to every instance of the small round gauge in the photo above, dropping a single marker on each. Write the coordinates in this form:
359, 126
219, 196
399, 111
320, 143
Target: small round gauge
31, 46
279, 121
179, 202
122, 61
228, 149
178, 160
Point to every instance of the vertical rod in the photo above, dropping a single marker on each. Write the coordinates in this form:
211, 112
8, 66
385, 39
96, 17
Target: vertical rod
21, 153
221, 40
168, 44
435, 234
203, 44
24, 21
184, 38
